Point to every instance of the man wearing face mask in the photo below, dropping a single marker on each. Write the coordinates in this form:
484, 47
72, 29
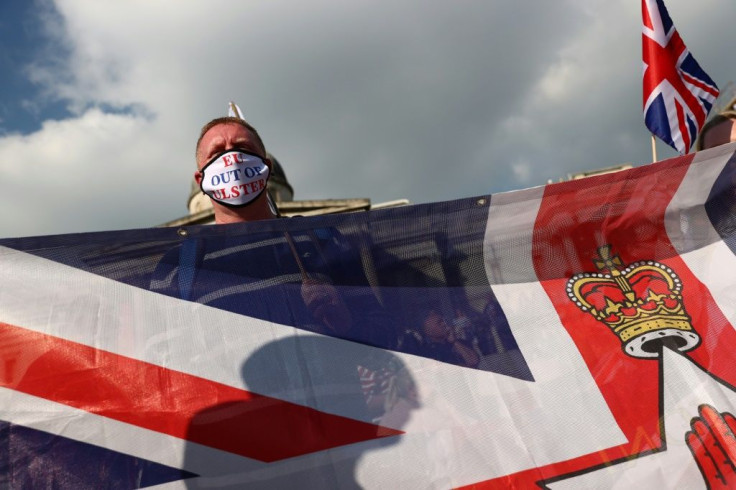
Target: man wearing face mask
281, 273
233, 169
263, 271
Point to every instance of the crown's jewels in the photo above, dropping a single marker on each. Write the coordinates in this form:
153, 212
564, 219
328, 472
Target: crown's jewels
641, 303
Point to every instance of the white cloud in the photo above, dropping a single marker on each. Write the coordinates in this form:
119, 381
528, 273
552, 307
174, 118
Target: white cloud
522, 171
360, 99
85, 173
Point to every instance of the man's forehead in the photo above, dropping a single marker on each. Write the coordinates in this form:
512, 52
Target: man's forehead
221, 134
721, 133
236, 132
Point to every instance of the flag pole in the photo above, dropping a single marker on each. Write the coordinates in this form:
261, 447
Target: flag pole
654, 149
234, 110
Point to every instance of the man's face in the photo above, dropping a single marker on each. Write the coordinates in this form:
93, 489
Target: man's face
720, 134
225, 137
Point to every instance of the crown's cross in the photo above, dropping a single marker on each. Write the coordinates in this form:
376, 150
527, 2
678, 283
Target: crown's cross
611, 263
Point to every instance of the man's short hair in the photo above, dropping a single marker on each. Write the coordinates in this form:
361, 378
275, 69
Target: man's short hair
714, 121
228, 120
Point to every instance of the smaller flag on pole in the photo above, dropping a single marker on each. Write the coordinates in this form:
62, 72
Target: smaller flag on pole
678, 94
234, 111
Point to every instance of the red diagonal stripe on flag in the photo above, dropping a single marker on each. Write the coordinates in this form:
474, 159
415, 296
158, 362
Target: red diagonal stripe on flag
700, 84
682, 123
171, 402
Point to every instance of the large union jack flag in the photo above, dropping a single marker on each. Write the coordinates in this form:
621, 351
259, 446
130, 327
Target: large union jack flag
576, 335
678, 94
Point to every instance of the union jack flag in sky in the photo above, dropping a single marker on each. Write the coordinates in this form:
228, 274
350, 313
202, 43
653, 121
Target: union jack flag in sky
678, 94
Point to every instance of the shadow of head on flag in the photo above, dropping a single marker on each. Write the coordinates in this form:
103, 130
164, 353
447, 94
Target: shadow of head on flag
317, 397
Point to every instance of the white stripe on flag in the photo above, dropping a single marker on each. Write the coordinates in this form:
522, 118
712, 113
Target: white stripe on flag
686, 387
692, 234
564, 392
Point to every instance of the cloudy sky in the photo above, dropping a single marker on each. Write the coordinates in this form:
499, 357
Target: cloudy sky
428, 100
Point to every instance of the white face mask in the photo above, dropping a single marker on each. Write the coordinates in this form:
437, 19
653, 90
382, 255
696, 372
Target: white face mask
234, 178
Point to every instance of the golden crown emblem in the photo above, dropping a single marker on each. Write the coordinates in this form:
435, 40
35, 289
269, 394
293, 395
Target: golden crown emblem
641, 303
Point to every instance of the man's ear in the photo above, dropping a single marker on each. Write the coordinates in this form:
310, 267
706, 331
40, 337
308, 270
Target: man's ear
198, 177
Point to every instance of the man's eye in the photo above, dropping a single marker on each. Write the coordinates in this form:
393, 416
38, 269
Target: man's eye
213, 153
